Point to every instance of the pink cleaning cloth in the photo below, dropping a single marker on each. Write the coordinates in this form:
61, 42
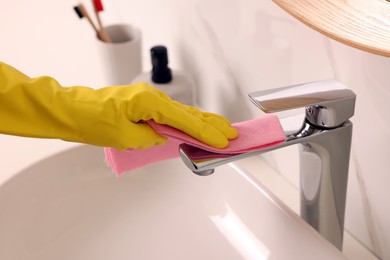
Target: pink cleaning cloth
254, 134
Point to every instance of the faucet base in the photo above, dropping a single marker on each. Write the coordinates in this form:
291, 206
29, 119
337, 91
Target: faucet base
204, 173
324, 163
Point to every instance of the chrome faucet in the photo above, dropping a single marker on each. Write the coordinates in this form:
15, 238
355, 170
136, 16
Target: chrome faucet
324, 138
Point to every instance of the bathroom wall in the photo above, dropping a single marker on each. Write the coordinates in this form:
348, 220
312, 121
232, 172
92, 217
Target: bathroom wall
230, 47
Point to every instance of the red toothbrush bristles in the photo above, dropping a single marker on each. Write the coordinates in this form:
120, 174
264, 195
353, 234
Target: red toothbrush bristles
98, 5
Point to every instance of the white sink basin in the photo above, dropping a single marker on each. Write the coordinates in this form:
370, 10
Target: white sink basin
71, 206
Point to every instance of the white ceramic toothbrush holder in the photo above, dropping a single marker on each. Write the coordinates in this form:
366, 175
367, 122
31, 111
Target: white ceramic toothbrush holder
122, 58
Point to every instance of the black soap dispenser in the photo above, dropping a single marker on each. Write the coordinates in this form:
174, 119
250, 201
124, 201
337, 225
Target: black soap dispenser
176, 84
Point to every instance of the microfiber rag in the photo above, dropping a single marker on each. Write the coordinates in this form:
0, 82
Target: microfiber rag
253, 135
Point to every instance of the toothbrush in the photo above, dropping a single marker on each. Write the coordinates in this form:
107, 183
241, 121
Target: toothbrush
98, 7
82, 13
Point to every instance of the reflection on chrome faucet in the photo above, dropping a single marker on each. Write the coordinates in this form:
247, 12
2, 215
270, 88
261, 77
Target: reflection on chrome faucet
324, 138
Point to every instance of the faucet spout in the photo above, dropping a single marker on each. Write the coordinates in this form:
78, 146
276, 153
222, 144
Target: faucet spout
324, 139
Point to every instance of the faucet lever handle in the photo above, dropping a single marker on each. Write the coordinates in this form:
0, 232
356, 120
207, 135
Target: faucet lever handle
328, 103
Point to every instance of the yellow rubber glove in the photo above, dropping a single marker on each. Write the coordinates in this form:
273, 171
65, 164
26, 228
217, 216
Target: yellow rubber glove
110, 117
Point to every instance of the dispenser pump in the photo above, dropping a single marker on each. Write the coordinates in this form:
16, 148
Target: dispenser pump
161, 73
176, 84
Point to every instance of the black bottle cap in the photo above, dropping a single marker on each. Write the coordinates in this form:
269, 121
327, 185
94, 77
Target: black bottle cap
161, 73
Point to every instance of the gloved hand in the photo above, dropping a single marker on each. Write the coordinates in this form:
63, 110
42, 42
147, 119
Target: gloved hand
109, 117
